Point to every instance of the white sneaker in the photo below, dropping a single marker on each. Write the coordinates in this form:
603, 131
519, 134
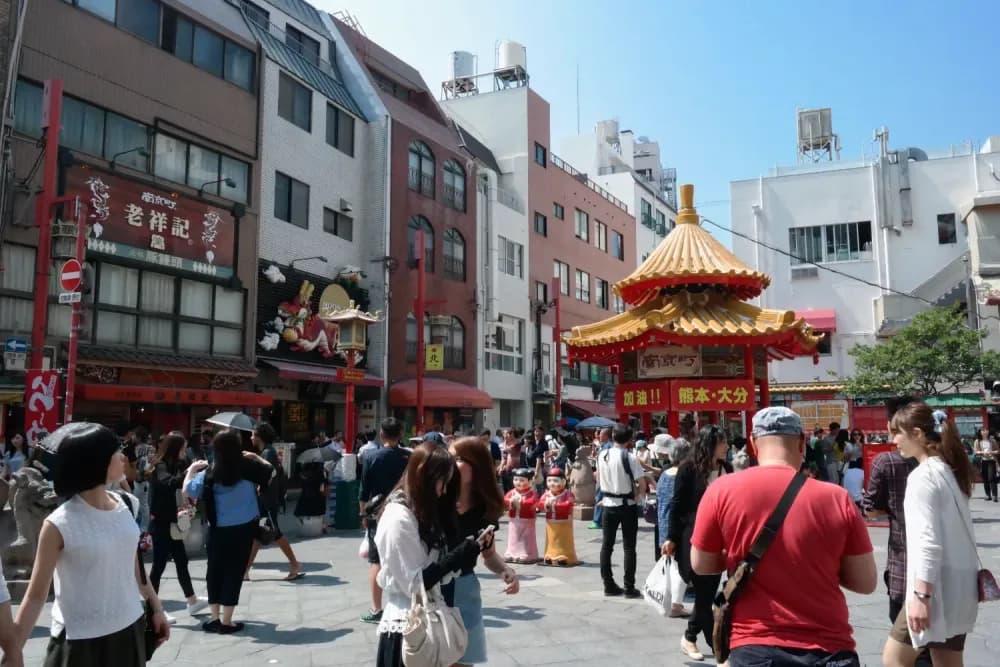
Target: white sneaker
170, 619
690, 649
199, 605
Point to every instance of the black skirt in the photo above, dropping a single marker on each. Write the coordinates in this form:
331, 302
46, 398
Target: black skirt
390, 650
125, 648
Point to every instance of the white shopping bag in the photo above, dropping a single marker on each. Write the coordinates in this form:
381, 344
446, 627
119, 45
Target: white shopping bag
657, 589
363, 549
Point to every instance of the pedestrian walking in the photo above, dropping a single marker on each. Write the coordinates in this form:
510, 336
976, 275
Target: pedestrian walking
229, 489
828, 445
704, 466
169, 468
941, 560
414, 527
821, 542
89, 545
478, 507
15, 455
618, 472
514, 457
603, 442
380, 473
12, 655
272, 499
676, 452
987, 451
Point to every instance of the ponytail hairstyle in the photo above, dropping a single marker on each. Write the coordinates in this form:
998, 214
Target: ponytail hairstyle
942, 436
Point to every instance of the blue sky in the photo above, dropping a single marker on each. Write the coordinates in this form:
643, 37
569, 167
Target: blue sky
718, 84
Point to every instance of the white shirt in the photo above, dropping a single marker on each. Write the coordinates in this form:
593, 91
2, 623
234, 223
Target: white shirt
614, 479
940, 551
96, 591
854, 480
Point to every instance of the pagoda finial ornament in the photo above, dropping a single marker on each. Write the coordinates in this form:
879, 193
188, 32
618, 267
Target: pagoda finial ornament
688, 214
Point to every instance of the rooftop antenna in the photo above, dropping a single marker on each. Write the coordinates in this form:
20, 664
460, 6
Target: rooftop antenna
578, 97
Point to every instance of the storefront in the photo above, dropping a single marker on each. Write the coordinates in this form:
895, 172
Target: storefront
298, 357
449, 406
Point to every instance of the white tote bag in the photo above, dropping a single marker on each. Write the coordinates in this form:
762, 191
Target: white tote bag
435, 635
657, 589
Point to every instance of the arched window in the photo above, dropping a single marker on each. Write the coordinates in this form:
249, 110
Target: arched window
454, 255
438, 329
419, 223
454, 185
421, 169
454, 344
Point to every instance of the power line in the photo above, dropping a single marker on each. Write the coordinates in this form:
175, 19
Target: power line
806, 261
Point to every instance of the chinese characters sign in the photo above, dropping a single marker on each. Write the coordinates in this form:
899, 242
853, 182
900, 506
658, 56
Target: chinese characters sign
435, 357
41, 403
669, 361
712, 394
129, 219
642, 397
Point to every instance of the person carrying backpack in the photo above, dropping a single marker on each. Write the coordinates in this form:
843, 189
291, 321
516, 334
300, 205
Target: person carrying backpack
272, 499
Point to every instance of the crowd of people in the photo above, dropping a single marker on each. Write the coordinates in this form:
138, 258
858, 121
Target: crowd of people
432, 512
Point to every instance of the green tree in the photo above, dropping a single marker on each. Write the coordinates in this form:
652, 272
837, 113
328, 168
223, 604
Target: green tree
935, 354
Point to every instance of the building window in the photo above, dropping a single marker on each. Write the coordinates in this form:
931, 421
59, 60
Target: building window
646, 209
148, 309
419, 223
454, 255
291, 200
602, 293
582, 226
421, 169
582, 286
824, 347
16, 285
617, 245
661, 223
946, 229
510, 257
176, 160
541, 292
340, 129
844, 242
294, 102
123, 135
541, 155
601, 231
302, 44
505, 348
560, 270
619, 305
258, 15
82, 127
454, 185
438, 329
541, 224
203, 48
139, 17
28, 108
558, 211
338, 224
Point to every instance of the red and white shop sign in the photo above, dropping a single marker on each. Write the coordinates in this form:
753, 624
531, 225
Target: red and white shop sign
41, 403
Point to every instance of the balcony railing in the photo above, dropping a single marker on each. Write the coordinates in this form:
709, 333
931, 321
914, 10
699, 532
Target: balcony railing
647, 220
510, 200
421, 182
454, 358
454, 197
582, 177
454, 268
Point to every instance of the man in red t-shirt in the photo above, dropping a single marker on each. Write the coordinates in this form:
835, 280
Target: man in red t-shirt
793, 611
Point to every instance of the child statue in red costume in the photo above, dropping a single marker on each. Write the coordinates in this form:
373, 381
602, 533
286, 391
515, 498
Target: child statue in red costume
522, 506
557, 503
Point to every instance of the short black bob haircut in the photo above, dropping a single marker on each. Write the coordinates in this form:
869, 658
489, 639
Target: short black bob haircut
82, 453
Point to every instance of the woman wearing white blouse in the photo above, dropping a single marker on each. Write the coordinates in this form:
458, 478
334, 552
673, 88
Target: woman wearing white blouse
417, 521
941, 562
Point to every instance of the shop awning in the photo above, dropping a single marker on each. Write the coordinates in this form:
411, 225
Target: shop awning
592, 408
8, 395
439, 393
819, 320
957, 401
174, 395
290, 370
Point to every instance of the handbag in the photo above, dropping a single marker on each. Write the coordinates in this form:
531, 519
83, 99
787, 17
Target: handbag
986, 583
722, 608
435, 635
656, 592
149, 634
265, 531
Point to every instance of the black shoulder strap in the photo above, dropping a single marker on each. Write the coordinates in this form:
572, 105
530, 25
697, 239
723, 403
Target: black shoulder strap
628, 468
770, 529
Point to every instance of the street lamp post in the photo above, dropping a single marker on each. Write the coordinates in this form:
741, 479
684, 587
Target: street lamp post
352, 338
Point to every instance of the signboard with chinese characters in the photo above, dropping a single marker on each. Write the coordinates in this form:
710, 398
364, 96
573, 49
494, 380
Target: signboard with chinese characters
132, 220
435, 357
712, 394
41, 403
642, 397
669, 361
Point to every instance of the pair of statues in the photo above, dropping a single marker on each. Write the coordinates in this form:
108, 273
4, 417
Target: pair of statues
523, 504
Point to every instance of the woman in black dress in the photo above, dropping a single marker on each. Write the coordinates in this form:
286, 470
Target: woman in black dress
705, 463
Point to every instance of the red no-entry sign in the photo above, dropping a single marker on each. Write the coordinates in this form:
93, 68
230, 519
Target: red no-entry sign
71, 275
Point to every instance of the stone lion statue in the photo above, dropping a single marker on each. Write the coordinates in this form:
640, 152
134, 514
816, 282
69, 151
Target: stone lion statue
581, 478
32, 500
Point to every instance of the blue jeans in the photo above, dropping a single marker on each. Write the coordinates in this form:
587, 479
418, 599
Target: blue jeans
775, 656
598, 509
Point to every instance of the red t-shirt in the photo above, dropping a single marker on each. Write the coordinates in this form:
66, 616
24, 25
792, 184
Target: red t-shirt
794, 598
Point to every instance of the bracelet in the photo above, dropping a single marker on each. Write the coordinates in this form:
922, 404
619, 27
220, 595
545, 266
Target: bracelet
922, 596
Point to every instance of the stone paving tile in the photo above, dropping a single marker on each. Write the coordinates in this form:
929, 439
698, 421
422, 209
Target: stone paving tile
560, 617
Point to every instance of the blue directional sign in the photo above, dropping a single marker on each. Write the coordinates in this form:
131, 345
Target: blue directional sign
16, 345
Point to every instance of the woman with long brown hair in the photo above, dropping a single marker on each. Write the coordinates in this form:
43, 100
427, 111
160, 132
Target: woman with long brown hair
479, 506
941, 560
417, 523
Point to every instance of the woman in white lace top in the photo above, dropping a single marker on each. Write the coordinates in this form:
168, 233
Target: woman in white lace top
416, 523
89, 544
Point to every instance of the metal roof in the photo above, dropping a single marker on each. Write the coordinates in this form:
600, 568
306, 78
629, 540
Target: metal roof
477, 148
312, 75
303, 12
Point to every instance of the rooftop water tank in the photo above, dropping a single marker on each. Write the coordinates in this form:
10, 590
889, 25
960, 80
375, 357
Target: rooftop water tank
607, 130
511, 54
463, 65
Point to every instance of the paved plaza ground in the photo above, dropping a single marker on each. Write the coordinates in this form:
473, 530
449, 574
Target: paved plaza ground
559, 618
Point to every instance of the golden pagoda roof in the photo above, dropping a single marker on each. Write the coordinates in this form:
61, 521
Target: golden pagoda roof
692, 318
689, 255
